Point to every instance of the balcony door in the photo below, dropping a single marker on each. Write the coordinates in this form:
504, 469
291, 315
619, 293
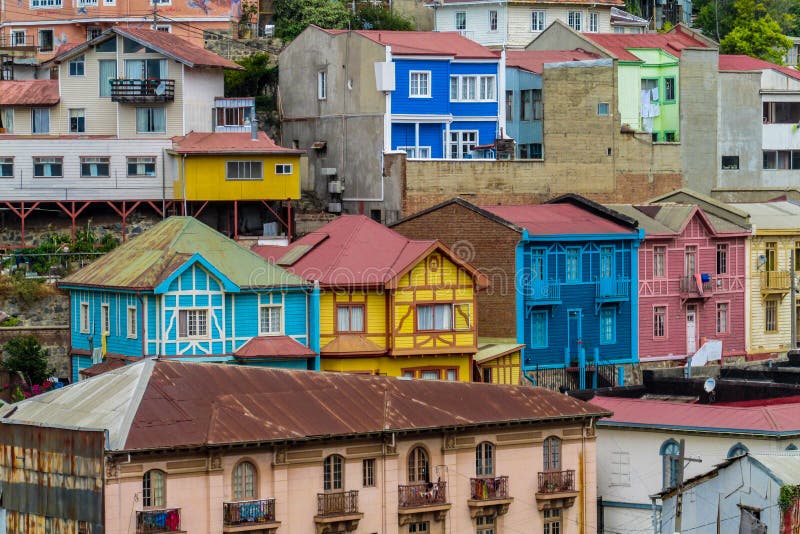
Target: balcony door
146, 69
690, 261
691, 329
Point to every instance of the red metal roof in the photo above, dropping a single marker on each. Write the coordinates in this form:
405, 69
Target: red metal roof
427, 43
180, 49
354, 250
273, 347
29, 93
662, 414
534, 60
619, 43
193, 404
745, 63
109, 364
227, 143
555, 219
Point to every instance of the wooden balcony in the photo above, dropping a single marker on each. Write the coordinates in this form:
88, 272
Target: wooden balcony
488, 496
612, 289
255, 516
689, 287
543, 292
556, 489
775, 282
158, 521
142, 91
414, 500
337, 512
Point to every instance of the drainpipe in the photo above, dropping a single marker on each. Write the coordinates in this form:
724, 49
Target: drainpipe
313, 329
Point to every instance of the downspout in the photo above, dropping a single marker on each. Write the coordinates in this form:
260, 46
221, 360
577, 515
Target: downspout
164, 184
635, 296
313, 330
519, 293
501, 97
141, 323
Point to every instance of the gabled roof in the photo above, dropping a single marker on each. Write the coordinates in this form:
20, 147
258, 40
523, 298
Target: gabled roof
29, 93
671, 219
354, 250
412, 43
782, 419
228, 143
618, 44
457, 201
163, 404
710, 205
534, 60
747, 63
153, 258
164, 43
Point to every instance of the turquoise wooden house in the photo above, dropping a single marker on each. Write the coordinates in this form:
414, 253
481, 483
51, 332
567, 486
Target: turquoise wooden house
184, 291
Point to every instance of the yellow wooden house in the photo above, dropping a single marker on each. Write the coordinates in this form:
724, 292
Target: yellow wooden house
388, 305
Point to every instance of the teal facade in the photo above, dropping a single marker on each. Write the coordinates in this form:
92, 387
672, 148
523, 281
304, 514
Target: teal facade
525, 127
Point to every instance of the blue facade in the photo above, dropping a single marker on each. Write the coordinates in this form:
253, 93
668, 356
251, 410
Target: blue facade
525, 128
577, 299
195, 314
428, 123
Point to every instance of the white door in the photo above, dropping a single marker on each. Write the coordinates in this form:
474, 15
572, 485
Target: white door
691, 330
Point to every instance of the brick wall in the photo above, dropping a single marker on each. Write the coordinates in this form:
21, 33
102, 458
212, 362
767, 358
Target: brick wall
486, 245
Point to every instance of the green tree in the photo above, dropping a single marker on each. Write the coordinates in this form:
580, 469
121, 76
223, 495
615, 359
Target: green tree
293, 16
755, 33
257, 76
376, 17
25, 355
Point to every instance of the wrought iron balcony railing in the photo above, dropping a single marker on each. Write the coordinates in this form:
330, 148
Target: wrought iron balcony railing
248, 512
337, 503
424, 494
556, 481
157, 521
487, 489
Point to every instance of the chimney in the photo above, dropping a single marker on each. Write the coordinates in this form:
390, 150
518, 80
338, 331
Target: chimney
254, 129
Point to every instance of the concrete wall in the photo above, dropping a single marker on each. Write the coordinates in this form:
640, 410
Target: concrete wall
699, 82
740, 128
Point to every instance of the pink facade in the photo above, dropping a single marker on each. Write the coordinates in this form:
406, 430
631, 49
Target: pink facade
691, 281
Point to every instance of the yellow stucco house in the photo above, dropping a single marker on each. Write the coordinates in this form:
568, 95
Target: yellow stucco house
388, 305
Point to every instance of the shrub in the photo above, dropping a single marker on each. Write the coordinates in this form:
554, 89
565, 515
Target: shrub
24, 354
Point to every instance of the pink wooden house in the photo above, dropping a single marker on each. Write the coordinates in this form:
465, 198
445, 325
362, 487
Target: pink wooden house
692, 286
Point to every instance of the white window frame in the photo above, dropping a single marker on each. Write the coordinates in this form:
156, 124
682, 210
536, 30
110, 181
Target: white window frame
33, 120
166, 28
109, 2
83, 317
284, 168
132, 322
493, 20
572, 18
461, 143
594, 22
411, 152
421, 74
48, 160
153, 108
7, 160
105, 319
14, 34
243, 165
189, 312
46, 4
79, 113
538, 20
457, 15
322, 85
87, 3
480, 83
161, 2
271, 331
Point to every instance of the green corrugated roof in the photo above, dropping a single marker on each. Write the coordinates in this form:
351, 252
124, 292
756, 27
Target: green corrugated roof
149, 259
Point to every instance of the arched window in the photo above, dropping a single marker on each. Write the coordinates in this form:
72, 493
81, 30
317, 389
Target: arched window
244, 481
737, 450
670, 450
333, 472
484, 459
154, 493
418, 465
552, 454
791, 447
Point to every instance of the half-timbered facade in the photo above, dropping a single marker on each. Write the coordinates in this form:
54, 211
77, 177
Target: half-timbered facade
692, 286
388, 305
183, 290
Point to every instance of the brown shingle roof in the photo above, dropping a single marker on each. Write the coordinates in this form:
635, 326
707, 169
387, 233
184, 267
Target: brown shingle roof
29, 93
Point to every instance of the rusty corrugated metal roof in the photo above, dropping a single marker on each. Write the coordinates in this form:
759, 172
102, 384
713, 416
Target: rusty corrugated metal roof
29, 93
228, 143
282, 347
149, 259
186, 405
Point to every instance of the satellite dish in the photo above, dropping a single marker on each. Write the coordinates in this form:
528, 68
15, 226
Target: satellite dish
709, 385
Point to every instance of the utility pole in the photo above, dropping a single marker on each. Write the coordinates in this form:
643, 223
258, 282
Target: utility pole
679, 484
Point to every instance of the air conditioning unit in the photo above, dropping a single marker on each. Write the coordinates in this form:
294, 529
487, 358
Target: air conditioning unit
328, 171
335, 207
335, 187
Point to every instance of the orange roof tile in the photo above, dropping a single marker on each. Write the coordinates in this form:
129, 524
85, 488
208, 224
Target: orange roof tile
227, 143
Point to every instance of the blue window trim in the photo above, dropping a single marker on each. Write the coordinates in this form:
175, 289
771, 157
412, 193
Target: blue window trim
539, 252
738, 450
539, 315
612, 313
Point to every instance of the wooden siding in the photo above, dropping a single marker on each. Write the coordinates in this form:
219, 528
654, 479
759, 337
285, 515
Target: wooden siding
205, 178
760, 340
374, 302
84, 92
505, 369
118, 186
664, 291
202, 85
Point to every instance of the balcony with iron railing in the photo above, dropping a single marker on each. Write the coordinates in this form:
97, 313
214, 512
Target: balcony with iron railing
775, 282
489, 494
244, 516
543, 292
338, 510
690, 286
158, 521
612, 289
142, 91
556, 489
423, 497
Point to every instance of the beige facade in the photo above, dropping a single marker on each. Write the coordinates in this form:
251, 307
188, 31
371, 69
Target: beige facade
200, 486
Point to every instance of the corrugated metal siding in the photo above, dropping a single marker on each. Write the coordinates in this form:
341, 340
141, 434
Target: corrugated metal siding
52, 478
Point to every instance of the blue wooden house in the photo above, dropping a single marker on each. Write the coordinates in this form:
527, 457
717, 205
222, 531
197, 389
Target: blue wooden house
182, 290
